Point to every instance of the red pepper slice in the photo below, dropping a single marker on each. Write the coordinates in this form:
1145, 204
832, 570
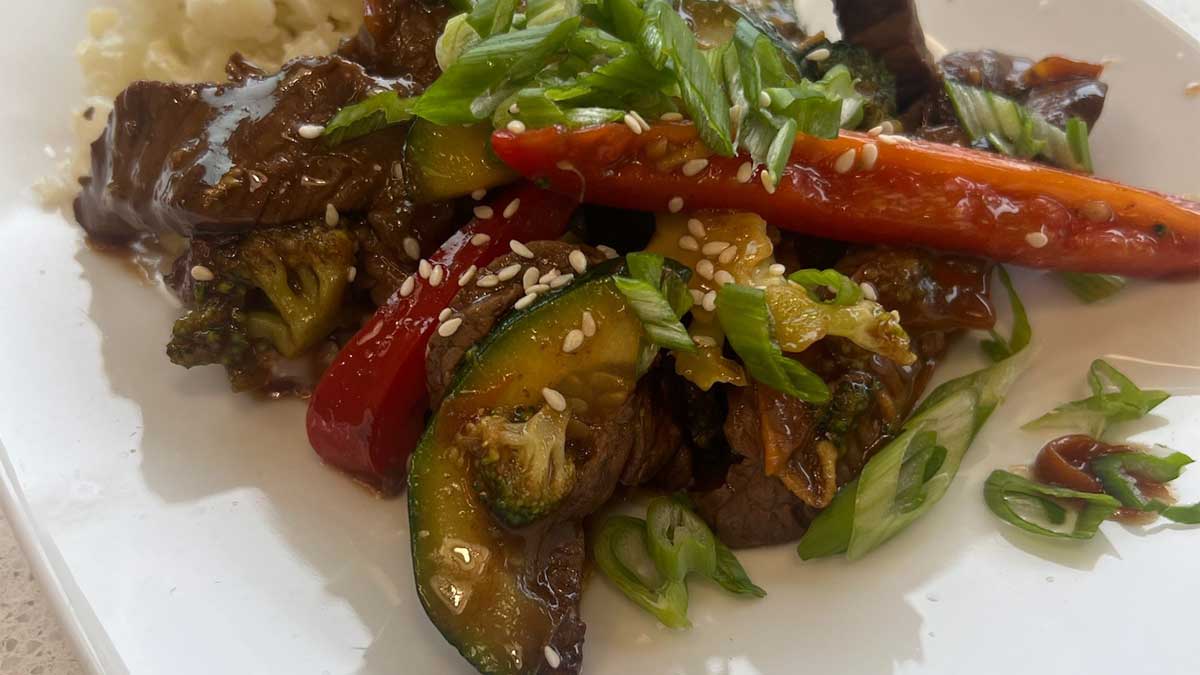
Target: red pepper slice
915, 192
368, 411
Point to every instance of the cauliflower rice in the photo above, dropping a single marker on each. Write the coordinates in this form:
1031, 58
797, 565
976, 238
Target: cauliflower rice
186, 41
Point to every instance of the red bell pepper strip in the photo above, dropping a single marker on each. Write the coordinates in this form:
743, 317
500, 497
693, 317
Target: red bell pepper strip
368, 411
915, 192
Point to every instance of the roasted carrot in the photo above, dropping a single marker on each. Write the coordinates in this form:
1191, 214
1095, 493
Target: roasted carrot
880, 190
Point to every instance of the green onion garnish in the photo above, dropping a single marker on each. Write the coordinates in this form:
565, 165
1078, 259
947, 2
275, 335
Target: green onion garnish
845, 291
1077, 140
658, 295
622, 554
1004, 492
1092, 288
1104, 407
378, 112
998, 348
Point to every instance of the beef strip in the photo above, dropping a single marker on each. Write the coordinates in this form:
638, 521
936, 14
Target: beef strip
555, 575
397, 39
891, 30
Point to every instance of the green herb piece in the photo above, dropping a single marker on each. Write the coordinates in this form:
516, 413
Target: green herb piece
492, 17
998, 348
654, 292
377, 112
679, 542
845, 291
1092, 288
590, 117
457, 37
545, 12
732, 576
1004, 489
1119, 475
1077, 140
622, 553
1104, 407
746, 320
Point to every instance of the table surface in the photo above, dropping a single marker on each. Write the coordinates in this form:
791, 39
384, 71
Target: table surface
31, 640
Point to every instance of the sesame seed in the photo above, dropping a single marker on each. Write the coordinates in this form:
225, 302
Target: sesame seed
714, 247
671, 117
870, 155
727, 255
709, 302
424, 268
489, 281
697, 228
632, 123
868, 291
412, 248
351, 274
516, 127
608, 251
1037, 239
446, 313
845, 161
578, 260
675, 205
640, 120
331, 215
509, 272
768, 182
398, 170
525, 301
484, 212
478, 194
531, 277
466, 277
549, 276
694, 166
888, 127
764, 99
450, 327
777, 269
520, 249
688, 243
1097, 212
409, 285
573, 341
704, 341
705, 269
552, 658
538, 288
310, 131
514, 109
481, 239
559, 282
697, 295
202, 273
564, 165
722, 277
818, 54
588, 324
752, 248
511, 209
875, 131
436, 276
745, 172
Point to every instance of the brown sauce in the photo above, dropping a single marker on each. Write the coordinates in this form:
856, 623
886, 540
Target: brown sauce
1066, 462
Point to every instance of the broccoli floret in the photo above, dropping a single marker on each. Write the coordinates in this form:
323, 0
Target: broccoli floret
523, 471
273, 292
872, 79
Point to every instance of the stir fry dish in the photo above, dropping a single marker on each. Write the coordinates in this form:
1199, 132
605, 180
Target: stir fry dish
533, 260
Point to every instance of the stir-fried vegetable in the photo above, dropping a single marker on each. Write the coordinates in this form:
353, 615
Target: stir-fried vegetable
1105, 406
658, 295
1008, 494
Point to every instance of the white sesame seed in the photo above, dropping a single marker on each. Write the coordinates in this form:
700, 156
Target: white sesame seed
488, 281
310, 131
868, 291
516, 127
466, 277
1037, 239
588, 324
514, 109
552, 658
559, 282
351, 274
398, 170
714, 247
736, 113
436, 276
531, 277
564, 165
1097, 212
520, 249
640, 120
818, 54
752, 248
694, 166
202, 273
511, 209
697, 228
578, 260
424, 268
450, 327
509, 272
573, 341
538, 288
632, 123
446, 313
484, 212
727, 255
705, 269
525, 301
888, 140
688, 243
409, 285
554, 398
697, 295
549, 276
875, 131
478, 194
722, 277
331, 215
481, 240
608, 251
888, 127
675, 205
745, 172
777, 269
704, 340
768, 182
764, 99
412, 248
845, 161
671, 117
870, 155
709, 301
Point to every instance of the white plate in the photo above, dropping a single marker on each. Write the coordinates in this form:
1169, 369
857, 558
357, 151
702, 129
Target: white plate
182, 530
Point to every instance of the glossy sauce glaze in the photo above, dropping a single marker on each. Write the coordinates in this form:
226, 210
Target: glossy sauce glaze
1066, 462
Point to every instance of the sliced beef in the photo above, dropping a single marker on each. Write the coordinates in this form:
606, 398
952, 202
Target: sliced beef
397, 39
753, 509
221, 158
554, 574
891, 30
657, 435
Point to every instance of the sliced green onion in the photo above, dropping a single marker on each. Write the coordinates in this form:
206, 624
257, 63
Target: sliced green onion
622, 553
492, 17
1013, 129
998, 348
1104, 407
1003, 488
731, 576
746, 320
1119, 473
456, 38
1077, 140
1092, 288
653, 291
845, 291
679, 542
377, 112
545, 12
